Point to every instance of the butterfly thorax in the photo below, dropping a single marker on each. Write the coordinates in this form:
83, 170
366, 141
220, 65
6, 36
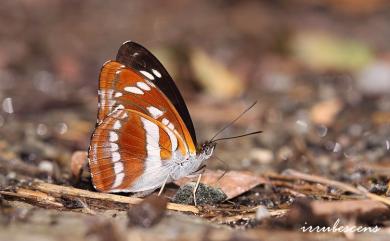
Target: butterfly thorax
190, 164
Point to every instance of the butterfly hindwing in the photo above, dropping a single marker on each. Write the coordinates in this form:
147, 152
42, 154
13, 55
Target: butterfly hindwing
129, 152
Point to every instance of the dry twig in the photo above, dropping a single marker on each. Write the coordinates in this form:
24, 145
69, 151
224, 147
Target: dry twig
45, 193
248, 216
337, 184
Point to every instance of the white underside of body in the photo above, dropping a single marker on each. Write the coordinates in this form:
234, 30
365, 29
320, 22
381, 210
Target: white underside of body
154, 177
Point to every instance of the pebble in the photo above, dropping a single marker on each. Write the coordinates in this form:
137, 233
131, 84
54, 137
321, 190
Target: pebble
263, 156
46, 166
322, 130
285, 153
8, 106
375, 79
204, 194
262, 213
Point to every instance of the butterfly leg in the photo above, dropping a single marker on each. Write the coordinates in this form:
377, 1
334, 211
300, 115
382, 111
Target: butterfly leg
162, 187
196, 188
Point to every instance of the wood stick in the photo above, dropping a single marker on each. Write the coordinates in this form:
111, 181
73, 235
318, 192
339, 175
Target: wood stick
337, 184
53, 191
71, 191
39, 197
248, 216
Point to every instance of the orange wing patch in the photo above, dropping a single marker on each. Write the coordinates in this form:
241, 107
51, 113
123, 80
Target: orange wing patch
124, 88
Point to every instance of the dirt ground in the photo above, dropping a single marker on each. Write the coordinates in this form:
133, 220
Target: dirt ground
319, 71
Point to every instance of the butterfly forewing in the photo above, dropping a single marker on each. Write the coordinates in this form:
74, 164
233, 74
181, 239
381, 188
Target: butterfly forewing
124, 88
139, 58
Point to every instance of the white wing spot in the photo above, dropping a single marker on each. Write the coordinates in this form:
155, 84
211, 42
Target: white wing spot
173, 139
170, 126
113, 136
156, 113
152, 144
114, 147
105, 98
143, 86
118, 167
156, 73
118, 94
118, 180
119, 107
147, 74
151, 84
134, 90
116, 156
165, 121
117, 125
94, 157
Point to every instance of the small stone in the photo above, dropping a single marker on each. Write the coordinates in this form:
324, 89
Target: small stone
42, 129
46, 166
302, 126
374, 79
263, 156
262, 213
11, 175
204, 194
285, 153
337, 147
378, 188
321, 130
7, 105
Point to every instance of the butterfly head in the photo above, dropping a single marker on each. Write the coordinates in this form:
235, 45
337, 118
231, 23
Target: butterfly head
206, 149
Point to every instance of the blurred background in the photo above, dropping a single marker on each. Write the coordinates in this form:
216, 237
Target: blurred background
320, 71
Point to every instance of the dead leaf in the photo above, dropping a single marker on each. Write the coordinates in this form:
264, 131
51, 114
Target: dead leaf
363, 207
233, 183
78, 160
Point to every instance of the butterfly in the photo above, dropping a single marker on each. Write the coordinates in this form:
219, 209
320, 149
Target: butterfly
144, 136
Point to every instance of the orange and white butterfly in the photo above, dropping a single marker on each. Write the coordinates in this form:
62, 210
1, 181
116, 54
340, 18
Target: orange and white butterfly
144, 136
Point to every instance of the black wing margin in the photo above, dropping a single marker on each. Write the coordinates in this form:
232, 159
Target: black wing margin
135, 56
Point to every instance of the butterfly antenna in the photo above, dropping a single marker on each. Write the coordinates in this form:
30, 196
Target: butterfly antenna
233, 121
239, 136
